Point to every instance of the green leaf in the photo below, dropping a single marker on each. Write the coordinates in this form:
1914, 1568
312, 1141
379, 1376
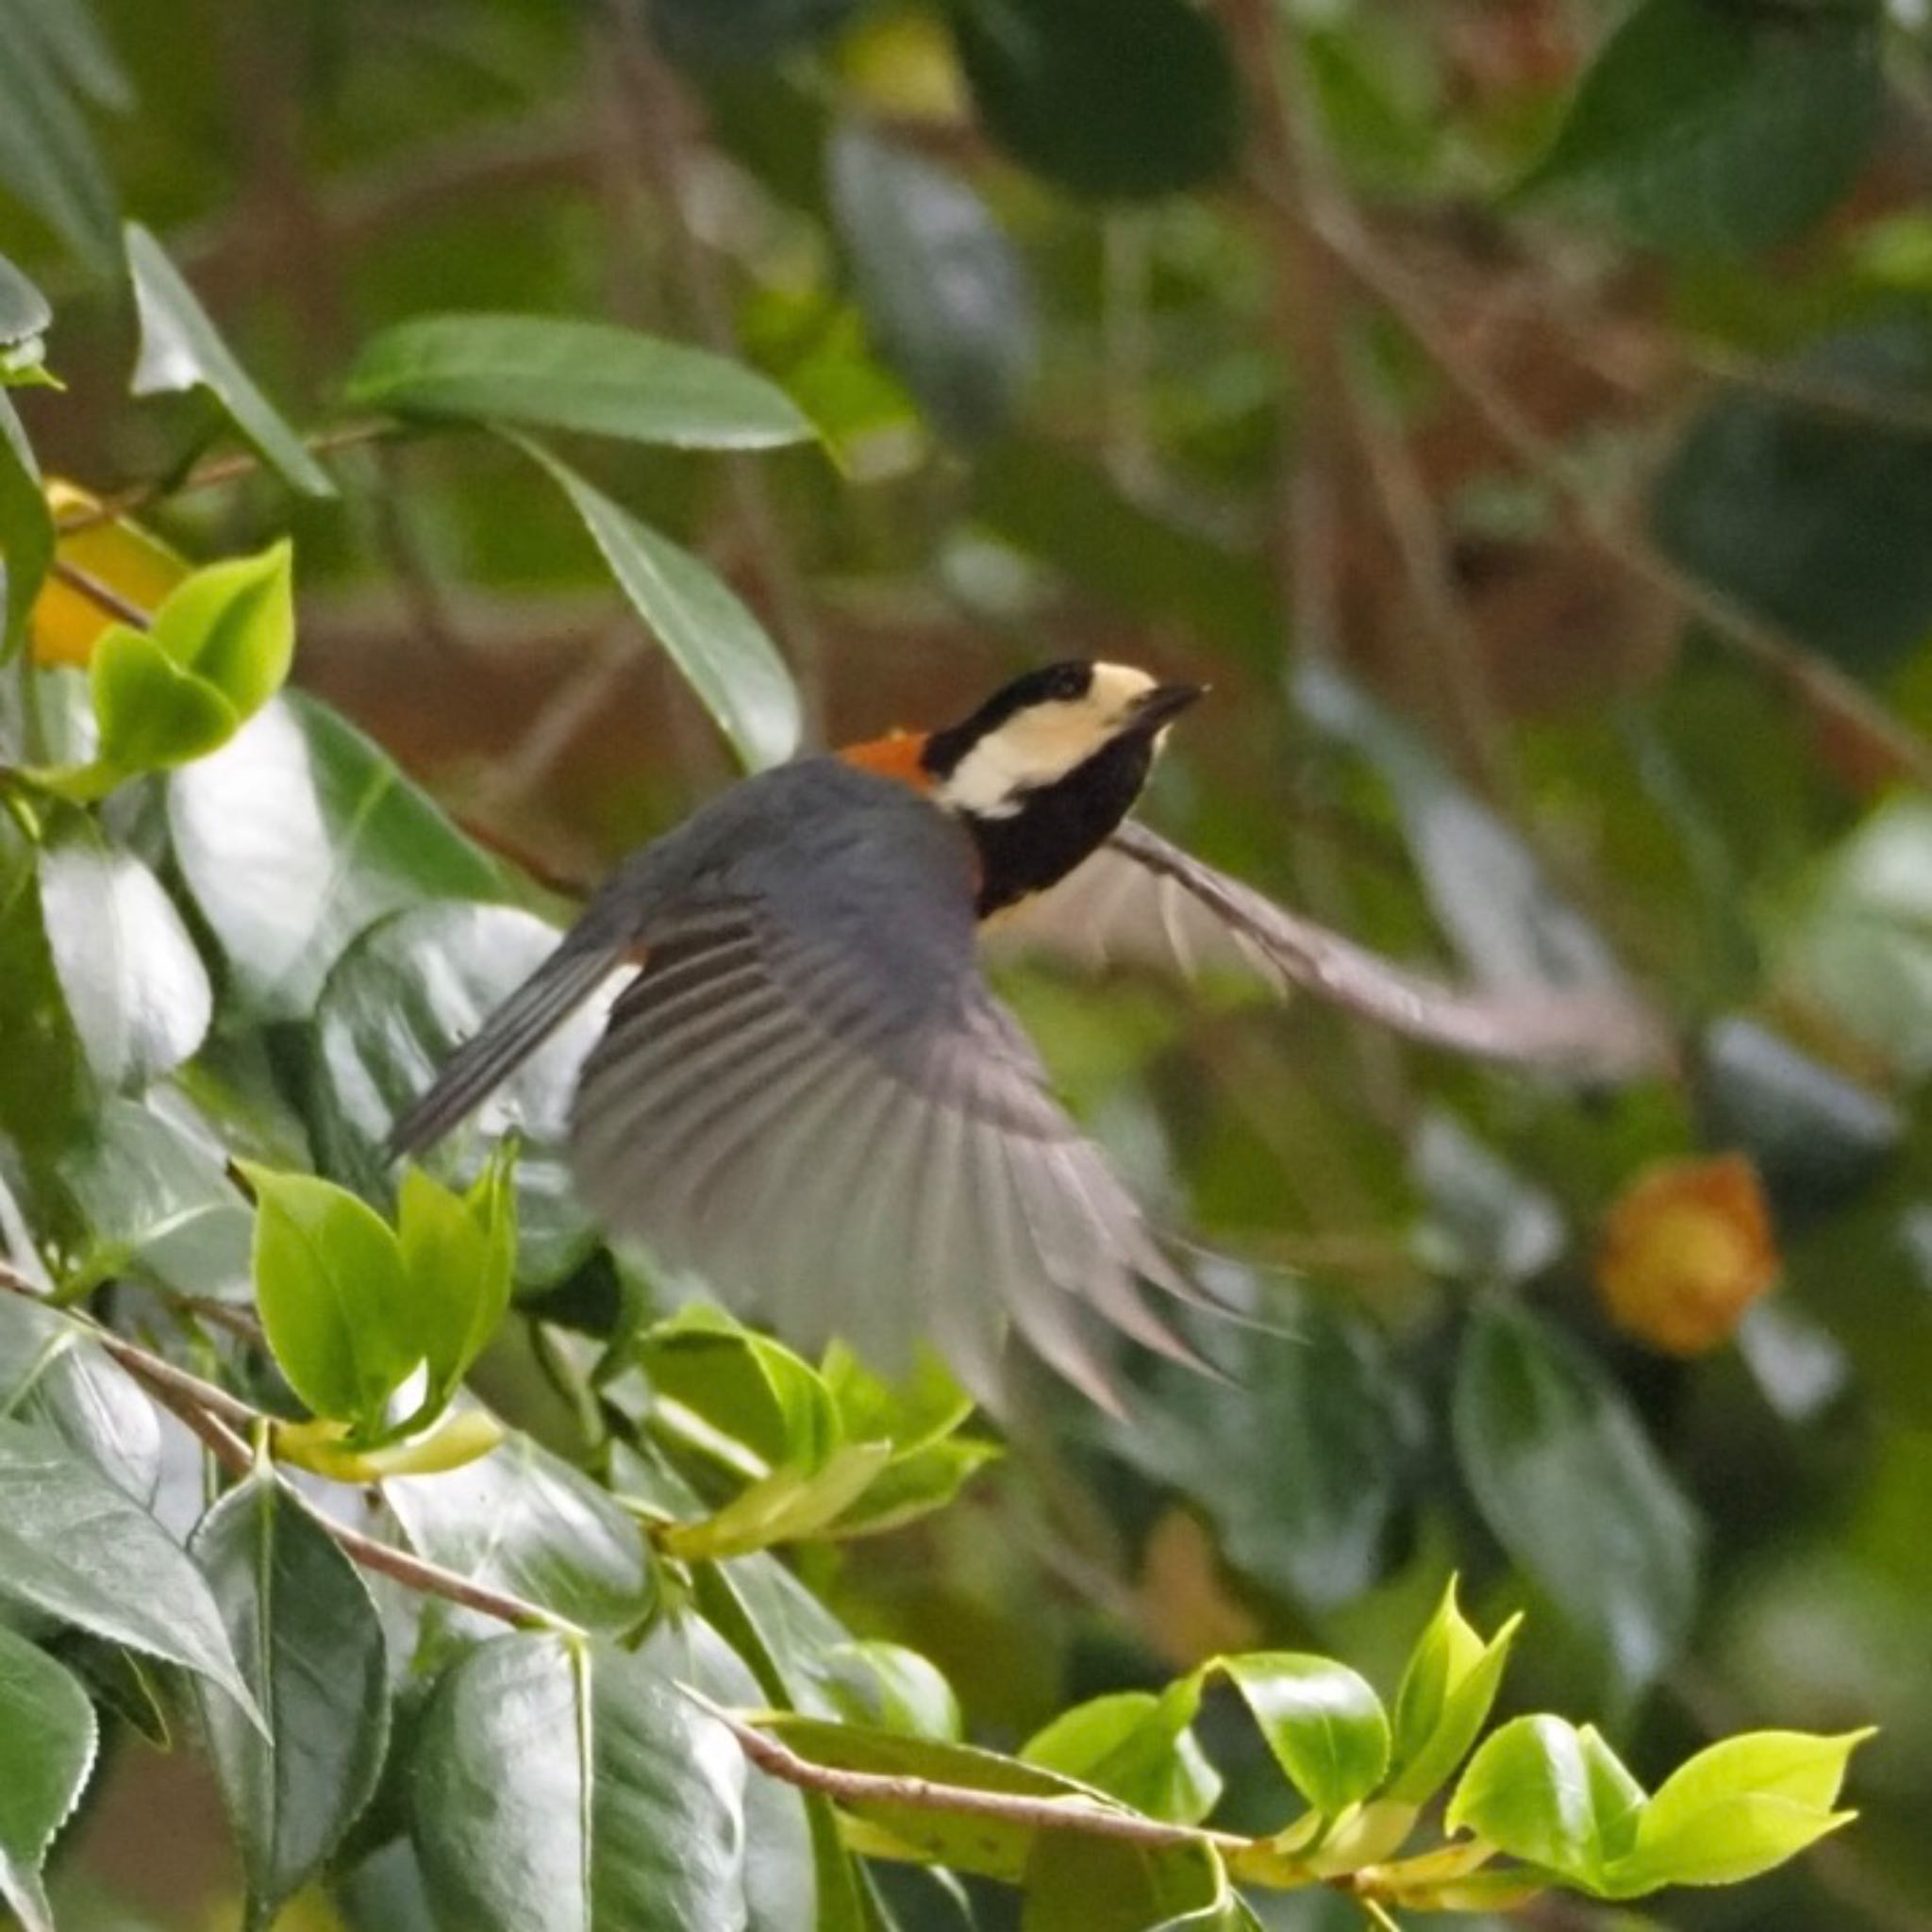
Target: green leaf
1129, 98
1571, 1485
47, 1746
459, 1258
233, 625
545, 373
524, 1521
873, 1682
1702, 127
26, 527
134, 984
1136, 1745
330, 1290
1810, 516
47, 156
1077, 1884
944, 294
180, 349
791, 1505
297, 836
1323, 1721
1738, 1809
395, 1006
1444, 1699
568, 1784
1542, 1790
75, 1547
745, 1386
153, 713
23, 310
309, 1643
720, 647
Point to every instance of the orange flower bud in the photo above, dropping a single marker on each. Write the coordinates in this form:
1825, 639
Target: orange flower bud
1687, 1249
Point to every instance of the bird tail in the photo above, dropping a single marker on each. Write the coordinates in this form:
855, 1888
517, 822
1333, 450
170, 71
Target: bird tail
509, 1036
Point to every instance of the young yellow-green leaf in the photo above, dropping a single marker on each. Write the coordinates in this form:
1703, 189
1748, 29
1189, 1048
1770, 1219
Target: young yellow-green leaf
48, 1742
328, 1283
1447, 1691
1553, 1795
721, 649
181, 349
311, 1644
26, 529
751, 1389
1738, 1809
1323, 1721
233, 624
794, 1504
459, 1258
549, 373
152, 714
325, 1449
1136, 1745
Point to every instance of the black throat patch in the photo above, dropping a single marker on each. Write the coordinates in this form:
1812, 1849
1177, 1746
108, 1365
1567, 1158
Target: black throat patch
1058, 824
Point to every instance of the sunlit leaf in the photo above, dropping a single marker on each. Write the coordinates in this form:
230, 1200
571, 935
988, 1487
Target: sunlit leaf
47, 1743
1323, 1721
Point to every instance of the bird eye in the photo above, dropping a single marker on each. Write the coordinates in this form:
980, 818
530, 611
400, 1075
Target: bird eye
1069, 683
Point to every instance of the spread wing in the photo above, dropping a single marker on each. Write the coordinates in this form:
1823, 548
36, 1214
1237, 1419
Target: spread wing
810, 1097
1140, 901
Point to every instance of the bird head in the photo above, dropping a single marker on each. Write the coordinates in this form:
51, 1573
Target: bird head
1056, 730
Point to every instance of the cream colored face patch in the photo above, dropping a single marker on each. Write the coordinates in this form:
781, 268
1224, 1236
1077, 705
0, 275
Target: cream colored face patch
1044, 743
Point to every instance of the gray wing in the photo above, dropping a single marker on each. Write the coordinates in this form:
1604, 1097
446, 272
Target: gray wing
810, 1098
1142, 901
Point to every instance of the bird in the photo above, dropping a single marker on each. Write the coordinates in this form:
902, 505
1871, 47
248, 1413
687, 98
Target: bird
807, 1092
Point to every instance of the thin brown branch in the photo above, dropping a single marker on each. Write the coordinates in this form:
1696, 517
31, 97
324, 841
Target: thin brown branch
1824, 690
103, 596
223, 1422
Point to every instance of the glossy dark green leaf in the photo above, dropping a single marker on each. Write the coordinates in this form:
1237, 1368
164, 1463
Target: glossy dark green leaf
398, 1002
570, 1785
746, 31
524, 1520
873, 1682
181, 349
548, 372
310, 1646
1107, 97
298, 835
47, 1743
26, 529
944, 295
1811, 516
724, 652
135, 985
78, 1548
48, 157
1576, 1493
1702, 127
1078, 1884
150, 1195
1323, 1721
329, 1288
1553, 1795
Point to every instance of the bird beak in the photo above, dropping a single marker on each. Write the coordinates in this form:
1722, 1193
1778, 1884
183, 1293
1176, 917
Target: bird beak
1164, 703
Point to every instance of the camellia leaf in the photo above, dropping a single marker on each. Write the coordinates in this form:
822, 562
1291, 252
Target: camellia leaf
298, 835
397, 1003
1444, 1698
180, 349
75, 1547
567, 1784
23, 310
1077, 1884
1702, 127
745, 1385
26, 529
1106, 97
460, 1254
1542, 1790
1573, 1488
1323, 1721
1738, 1808
309, 1643
47, 155
331, 1294
1136, 1745
873, 1682
548, 372
134, 983
943, 291
721, 649
47, 1745
524, 1521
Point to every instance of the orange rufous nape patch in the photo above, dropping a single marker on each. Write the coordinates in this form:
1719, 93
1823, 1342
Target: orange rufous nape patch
895, 756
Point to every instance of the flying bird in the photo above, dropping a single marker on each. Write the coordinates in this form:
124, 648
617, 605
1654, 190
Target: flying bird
807, 1091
